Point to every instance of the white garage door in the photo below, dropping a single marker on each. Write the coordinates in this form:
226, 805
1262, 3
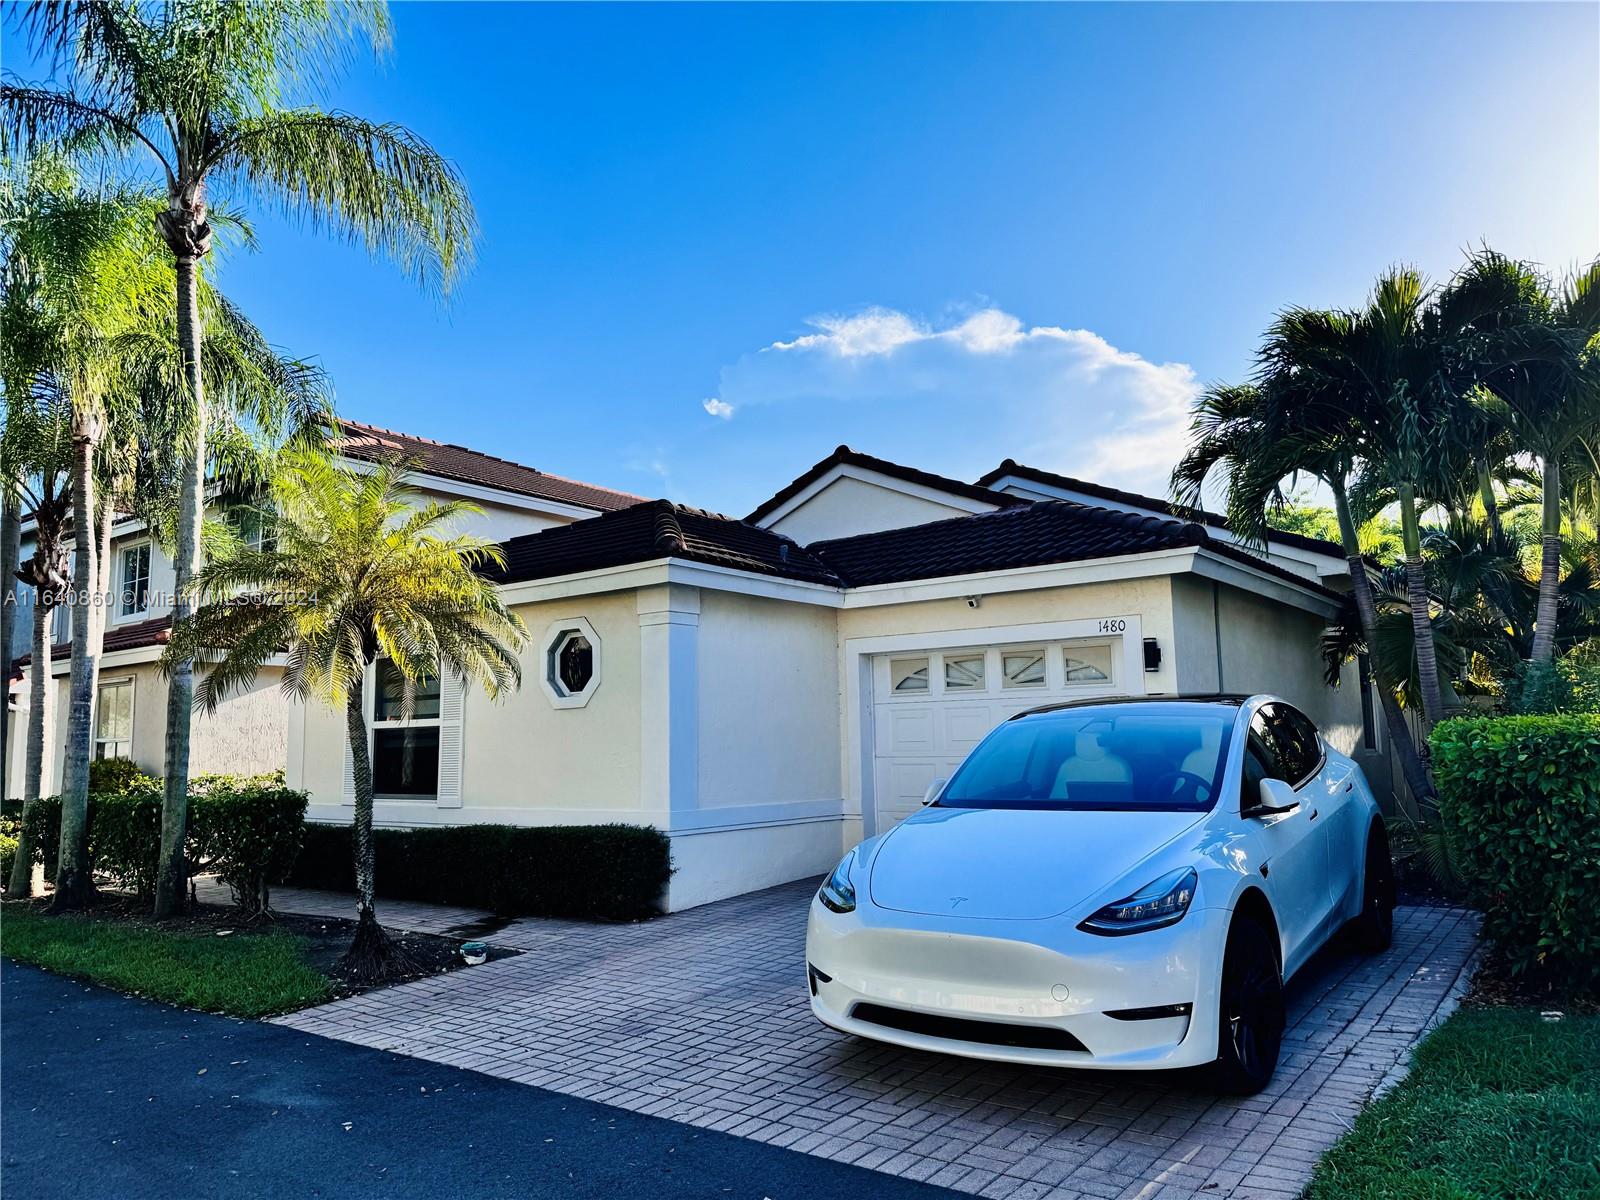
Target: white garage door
931, 708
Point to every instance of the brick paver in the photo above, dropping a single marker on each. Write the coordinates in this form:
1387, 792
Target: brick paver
703, 1017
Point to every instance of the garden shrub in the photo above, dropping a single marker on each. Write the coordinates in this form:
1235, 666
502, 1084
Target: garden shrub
125, 834
607, 872
114, 774
245, 828
8, 855
248, 830
1567, 685
1523, 795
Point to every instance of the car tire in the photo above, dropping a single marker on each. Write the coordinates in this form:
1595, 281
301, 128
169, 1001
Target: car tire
1373, 931
1250, 1010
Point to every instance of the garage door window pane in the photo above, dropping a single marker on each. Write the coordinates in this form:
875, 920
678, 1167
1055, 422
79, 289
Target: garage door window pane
963, 673
909, 674
1023, 668
1088, 664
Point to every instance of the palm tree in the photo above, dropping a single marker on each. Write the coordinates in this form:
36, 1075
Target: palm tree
79, 267
360, 569
90, 342
1534, 358
1255, 437
200, 88
38, 439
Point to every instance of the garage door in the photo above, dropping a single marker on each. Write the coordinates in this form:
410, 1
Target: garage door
931, 708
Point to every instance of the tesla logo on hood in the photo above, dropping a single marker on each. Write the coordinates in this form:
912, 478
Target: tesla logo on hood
957, 901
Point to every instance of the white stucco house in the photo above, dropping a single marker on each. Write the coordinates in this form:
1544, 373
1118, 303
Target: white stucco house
769, 690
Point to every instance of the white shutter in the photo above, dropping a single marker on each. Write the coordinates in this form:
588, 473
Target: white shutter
349, 768
452, 702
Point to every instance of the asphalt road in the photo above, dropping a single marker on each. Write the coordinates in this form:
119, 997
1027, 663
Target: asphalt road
104, 1095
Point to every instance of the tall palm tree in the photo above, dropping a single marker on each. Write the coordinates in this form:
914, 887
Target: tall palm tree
80, 266
199, 86
1255, 437
38, 438
1535, 357
85, 295
360, 569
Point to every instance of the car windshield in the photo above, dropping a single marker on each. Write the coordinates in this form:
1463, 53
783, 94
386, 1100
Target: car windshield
1159, 757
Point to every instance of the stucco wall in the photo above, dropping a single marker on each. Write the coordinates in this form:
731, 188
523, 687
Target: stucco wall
769, 702
524, 762
1265, 647
246, 734
849, 506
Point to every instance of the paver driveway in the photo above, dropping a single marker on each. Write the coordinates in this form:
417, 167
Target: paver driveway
703, 1017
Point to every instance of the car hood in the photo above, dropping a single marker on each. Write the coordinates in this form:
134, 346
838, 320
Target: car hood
1013, 864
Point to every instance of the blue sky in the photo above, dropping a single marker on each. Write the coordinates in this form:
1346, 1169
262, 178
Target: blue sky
941, 234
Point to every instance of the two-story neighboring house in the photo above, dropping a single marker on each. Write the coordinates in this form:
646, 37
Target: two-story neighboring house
249, 732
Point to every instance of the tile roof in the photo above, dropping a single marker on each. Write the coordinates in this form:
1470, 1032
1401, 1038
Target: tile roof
1117, 496
373, 443
1036, 534
844, 456
653, 530
133, 636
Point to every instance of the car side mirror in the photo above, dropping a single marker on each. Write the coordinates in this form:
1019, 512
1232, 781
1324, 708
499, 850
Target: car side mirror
1276, 796
934, 788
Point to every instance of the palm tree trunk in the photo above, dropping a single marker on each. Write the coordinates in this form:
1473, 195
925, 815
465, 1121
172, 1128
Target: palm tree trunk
1544, 628
74, 885
173, 873
10, 554
1421, 606
1412, 765
1491, 508
372, 956
40, 685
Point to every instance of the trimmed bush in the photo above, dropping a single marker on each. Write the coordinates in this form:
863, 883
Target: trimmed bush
1523, 796
125, 834
8, 855
607, 872
114, 774
247, 830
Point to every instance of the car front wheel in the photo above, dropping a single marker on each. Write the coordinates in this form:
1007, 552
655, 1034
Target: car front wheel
1250, 1024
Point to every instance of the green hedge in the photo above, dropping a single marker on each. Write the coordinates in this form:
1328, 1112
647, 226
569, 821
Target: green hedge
245, 828
610, 872
1523, 795
8, 855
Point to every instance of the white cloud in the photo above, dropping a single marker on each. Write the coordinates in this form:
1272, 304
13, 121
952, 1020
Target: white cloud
718, 408
1062, 399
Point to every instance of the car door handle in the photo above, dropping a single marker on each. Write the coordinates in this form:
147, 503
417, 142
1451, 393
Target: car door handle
1313, 815
1349, 787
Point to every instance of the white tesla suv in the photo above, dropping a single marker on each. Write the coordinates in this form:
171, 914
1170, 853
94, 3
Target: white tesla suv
1115, 884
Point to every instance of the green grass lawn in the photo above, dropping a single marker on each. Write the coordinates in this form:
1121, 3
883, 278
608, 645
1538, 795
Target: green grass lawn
247, 974
1499, 1105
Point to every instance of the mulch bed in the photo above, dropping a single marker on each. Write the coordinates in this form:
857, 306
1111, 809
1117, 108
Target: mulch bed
1495, 987
325, 938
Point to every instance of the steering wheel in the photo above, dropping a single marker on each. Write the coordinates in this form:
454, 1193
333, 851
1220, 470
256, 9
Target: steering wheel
1185, 787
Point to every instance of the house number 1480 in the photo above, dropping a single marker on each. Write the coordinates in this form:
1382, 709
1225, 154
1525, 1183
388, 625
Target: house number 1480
1114, 625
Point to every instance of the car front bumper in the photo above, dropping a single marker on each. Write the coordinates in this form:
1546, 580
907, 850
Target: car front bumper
1009, 990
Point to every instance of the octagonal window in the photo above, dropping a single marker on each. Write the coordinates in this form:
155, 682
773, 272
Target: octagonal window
571, 662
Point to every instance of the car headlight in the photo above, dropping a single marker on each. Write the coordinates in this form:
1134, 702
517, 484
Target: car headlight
838, 890
1159, 903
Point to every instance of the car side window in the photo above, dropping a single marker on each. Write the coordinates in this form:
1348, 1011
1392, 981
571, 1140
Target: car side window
1256, 768
1299, 752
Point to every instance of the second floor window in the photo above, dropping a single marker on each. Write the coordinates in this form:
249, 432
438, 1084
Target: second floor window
135, 593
